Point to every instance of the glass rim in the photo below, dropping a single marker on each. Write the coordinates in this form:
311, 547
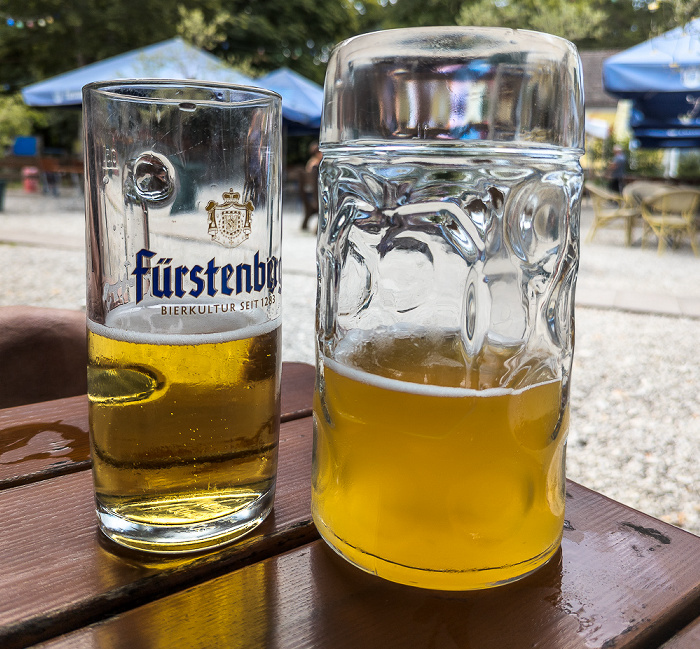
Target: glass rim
454, 29
460, 84
109, 87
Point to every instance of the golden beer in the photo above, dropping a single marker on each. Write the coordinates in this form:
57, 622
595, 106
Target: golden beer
184, 432
436, 473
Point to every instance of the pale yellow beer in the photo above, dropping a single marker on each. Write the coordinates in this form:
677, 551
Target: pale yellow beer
184, 429
184, 239
435, 472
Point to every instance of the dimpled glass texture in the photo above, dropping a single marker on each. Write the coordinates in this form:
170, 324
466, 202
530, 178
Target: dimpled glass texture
447, 254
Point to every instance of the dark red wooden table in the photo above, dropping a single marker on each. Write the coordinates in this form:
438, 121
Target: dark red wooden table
622, 579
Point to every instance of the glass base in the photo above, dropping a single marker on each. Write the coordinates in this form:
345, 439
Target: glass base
454, 580
182, 538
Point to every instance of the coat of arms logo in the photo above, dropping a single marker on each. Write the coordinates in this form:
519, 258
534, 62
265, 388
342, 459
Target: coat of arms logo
229, 222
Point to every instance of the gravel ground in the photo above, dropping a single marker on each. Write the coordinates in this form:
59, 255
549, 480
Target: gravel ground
635, 409
635, 412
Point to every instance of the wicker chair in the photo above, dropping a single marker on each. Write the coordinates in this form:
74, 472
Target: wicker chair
670, 215
609, 207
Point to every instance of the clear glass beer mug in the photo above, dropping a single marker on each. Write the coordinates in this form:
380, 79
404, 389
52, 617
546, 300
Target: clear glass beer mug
183, 308
447, 257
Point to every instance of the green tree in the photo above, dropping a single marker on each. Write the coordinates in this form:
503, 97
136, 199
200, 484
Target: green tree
264, 34
254, 35
17, 119
80, 32
199, 31
668, 14
591, 24
267, 34
566, 18
415, 13
627, 23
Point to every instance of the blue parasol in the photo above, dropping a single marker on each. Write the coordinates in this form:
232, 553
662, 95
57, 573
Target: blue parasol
302, 99
662, 78
171, 59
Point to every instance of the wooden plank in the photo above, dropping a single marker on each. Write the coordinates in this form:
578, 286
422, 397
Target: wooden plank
297, 390
44, 440
621, 579
41, 440
58, 573
688, 638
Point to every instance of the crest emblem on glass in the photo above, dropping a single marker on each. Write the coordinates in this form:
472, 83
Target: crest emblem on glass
447, 252
229, 222
184, 309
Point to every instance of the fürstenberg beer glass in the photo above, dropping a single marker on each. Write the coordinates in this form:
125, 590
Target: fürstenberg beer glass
447, 251
183, 306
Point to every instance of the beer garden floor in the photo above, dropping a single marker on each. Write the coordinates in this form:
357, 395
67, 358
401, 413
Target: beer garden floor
635, 405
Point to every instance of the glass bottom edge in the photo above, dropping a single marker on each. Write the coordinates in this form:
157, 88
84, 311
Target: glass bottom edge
183, 538
426, 579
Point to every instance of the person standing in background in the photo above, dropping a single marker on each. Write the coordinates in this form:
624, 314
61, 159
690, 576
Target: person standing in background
309, 184
617, 169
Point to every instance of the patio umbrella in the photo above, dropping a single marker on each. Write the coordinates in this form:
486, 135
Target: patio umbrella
171, 59
302, 99
662, 78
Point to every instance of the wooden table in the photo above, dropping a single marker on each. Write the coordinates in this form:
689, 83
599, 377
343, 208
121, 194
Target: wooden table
622, 579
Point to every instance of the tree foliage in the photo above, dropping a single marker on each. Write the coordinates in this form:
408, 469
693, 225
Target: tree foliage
17, 119
261, 35
591, 24
566, 18
419, 13
268, 34
671, 13
200, 31
81, 32
258, 36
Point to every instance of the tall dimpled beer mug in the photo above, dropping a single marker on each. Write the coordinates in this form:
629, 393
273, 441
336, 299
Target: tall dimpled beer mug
183, 308
447, 254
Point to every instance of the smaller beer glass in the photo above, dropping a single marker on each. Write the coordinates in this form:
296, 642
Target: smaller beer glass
447, 252
183, 309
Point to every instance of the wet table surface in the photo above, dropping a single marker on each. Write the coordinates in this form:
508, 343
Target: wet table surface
621, 579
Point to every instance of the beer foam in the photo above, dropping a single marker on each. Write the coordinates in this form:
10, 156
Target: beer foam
115, 330
422, 389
